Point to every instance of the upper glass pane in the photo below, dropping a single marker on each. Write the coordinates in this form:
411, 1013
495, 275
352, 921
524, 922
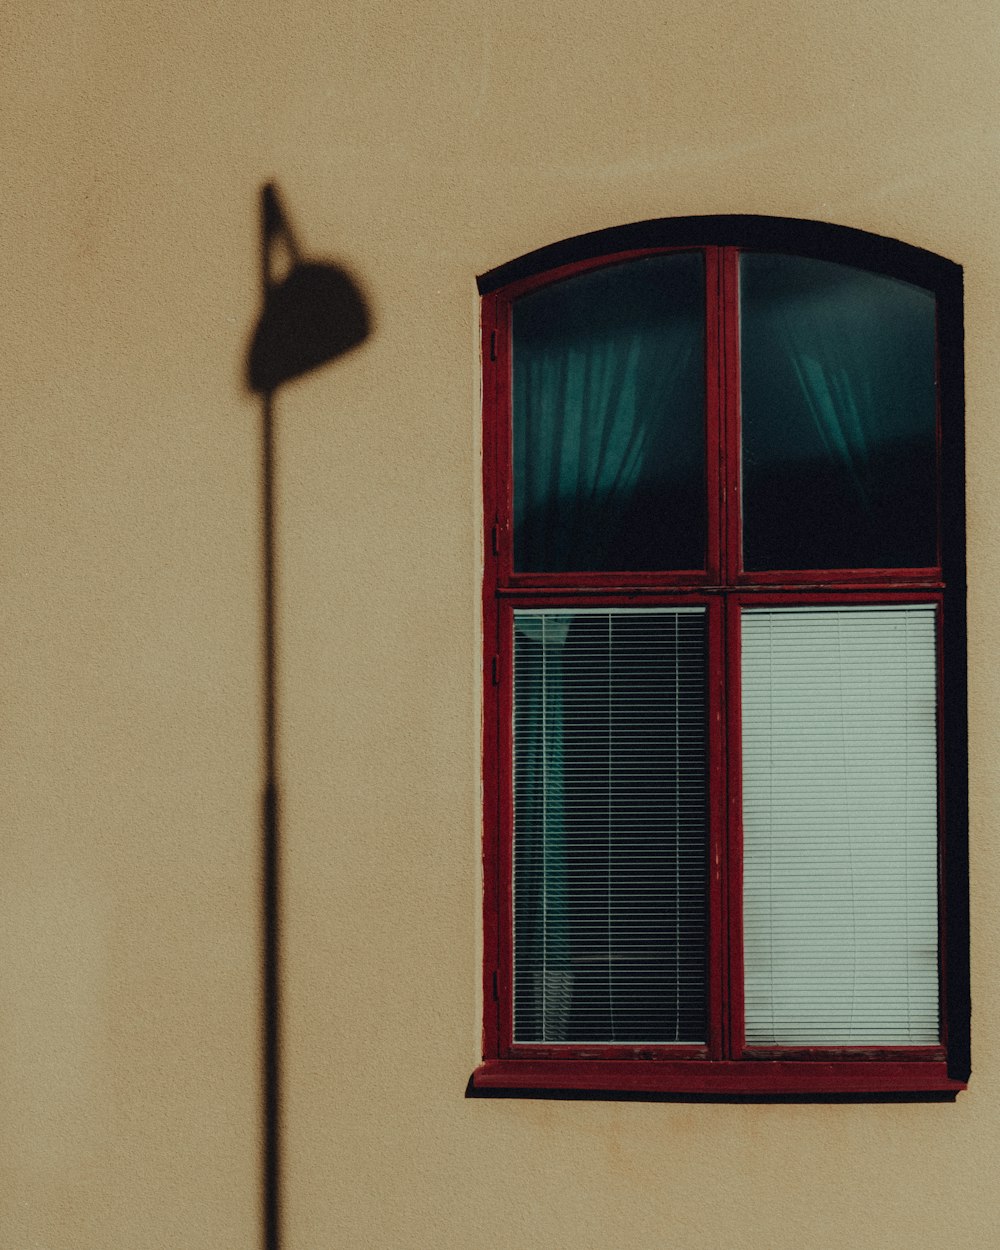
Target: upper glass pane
839, 417
609, 420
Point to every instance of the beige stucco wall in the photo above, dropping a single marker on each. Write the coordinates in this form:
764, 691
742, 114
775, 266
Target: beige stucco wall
420, 144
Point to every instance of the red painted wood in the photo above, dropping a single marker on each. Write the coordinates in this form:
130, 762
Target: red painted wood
734, 837
819, 577
505, 850
730, 417
515, 290
714, 430
734, 1077
869, 594
529, 585
574, 1052
502, 442
575, 582
610, 597
717, 861
491, 647
894, 1054
938, 434
942, 808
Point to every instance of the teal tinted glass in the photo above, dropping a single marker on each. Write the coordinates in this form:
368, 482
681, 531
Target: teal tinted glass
839, 417
609, 420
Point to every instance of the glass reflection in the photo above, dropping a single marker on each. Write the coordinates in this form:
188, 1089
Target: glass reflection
839, 417
608, 411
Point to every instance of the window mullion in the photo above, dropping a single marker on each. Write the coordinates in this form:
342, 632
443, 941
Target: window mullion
715, 419
718, 856
729, 369
732, 839
730, 933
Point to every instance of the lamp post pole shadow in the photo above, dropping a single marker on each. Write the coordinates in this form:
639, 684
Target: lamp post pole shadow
311, 315
271, 884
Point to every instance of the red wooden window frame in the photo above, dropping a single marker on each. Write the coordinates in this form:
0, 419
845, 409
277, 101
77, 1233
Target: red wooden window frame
724, 1065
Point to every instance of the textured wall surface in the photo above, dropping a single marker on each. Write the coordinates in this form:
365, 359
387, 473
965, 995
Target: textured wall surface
418, 145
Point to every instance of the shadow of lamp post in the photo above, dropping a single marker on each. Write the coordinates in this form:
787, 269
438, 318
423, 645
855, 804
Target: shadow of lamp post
312, 314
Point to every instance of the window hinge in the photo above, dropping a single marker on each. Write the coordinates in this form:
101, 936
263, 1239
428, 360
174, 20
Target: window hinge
496, 540
496, 987
496, 670
493, 345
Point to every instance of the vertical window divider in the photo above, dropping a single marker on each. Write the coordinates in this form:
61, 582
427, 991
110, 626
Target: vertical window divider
728, 418
944, 902
733, 809
504, 450
505, 823
493, 780
715, 425
729, 414
717, 842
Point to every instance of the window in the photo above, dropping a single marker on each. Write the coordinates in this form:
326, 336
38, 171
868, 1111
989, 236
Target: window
725, 705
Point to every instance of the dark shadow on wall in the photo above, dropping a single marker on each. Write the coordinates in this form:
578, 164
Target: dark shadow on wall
596, 1095
312, 313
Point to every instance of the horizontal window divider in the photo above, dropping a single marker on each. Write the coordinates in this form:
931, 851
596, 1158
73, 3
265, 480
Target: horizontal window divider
633, 1052
610, 577
881, 585
750, 1077
612, 590
797, 577
678, 609
897, 1053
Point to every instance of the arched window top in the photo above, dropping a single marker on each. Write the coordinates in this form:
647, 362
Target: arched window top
723, 397
798, 236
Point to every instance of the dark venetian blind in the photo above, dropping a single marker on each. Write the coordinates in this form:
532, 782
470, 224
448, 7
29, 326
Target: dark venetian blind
610, 825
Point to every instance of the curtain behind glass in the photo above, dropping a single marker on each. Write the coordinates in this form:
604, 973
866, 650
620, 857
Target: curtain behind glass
608, 411
839, 417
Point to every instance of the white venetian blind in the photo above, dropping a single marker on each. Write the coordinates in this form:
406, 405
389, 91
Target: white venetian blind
610, 825
840, 825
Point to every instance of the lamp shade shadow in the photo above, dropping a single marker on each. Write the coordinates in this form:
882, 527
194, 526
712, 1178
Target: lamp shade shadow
311, 315
315, 314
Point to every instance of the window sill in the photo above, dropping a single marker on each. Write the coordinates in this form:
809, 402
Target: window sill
749, 1078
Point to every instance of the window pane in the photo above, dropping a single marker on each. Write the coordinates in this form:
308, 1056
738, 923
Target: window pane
610, 825
609, 420
840, 825
839, 417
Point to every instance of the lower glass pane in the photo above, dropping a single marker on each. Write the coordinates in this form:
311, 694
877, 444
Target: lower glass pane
610, 827
840, 842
